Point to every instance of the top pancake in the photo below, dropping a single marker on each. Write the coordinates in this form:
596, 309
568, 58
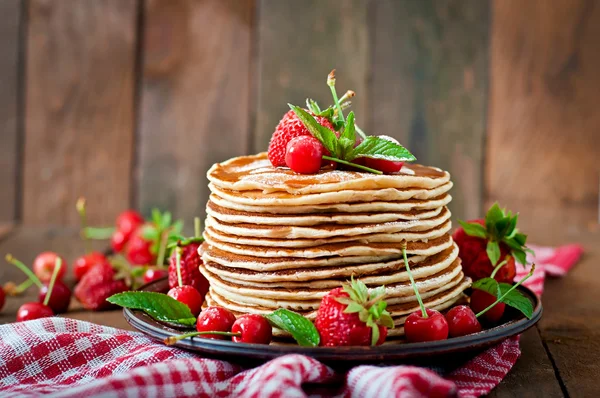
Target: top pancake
255, 172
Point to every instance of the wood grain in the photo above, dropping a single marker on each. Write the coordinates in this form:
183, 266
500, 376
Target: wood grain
194, 98
79, 109
429, 87
10, 15
543, 148
299, 43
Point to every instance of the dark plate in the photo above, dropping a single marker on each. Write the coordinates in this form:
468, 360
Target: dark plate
451, 351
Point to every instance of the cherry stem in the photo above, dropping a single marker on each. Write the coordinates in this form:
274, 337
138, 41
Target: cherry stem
80, 205
174, 339
197, 227
331, 84
25, 270
178, 265
414, 285
23, 286
164, 237
507, 292
498, 268
57, 266
358, 166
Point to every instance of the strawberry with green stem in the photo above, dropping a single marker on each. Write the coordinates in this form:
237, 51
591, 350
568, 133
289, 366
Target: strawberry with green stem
31, 311
86, 262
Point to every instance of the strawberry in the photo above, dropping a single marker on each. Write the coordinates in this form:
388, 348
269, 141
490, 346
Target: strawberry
138, 250
289, 127
351, 316
97, 285
149, 240
190, 271
488, 247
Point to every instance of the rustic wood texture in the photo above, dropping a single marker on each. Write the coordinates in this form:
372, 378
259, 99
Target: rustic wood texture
79, 119
429, 87
299, 43
10, 16
543, 148
194, 98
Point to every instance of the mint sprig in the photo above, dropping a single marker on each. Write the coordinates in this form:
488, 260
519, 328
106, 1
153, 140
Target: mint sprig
158, 305
301, 329
506, 294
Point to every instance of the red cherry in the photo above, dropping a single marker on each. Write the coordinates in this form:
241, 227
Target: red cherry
31, 311
138, 250
59, 299
2, 298
128, 221
153, 274
480, 300
303, 154
84, 263
418, 329
118, 241
189, 296
462, 321
255, 329
215, 319
43, 266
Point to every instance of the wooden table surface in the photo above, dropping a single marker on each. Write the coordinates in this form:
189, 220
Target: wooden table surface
559, 356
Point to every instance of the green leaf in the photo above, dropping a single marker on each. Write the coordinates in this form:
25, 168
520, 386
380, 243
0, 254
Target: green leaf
349, 132
353, 307
312, 105
502, 226
158, 305
156, 217
98, 233
493, 215
380, 148
488, 285
166, 220
493, 251
473, 229
520, 256
512, 226
149, 232
377, 292
520, 238
374, 334
386, 320
301, 329
516, 300
323, 134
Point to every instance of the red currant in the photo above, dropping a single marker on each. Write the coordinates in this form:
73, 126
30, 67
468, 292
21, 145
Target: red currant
60, 297
418, 329
43, 266
118, 241
255, 329
189, 296
480, 300
128, 221
153, 274
304, 154
215, 319
31, 311
462, 321
84, 263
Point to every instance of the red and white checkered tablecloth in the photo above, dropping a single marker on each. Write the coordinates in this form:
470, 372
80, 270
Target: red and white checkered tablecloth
68, 358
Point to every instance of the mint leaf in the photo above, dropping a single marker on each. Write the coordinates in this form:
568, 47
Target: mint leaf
158, 305
349, 132
379, 148
301, 329
493, 251
473, 229
323, 134
516, 300
488, 285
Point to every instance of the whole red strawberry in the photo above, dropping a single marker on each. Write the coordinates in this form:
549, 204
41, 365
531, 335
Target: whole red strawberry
97, 285
351, 316
139, 249
489, 247
289, 127
190, 271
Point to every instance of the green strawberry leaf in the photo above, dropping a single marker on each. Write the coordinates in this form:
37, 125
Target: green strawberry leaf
156, 217
312, 105
493, 251
349, 132
374, 333
150, 232
488, 285
520, 238
301, 329
100, 233
474, 229
516, 300
353, 307
520, 256
158, 305
380, 148
323, 134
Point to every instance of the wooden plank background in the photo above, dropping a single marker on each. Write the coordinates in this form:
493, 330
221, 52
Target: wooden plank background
128, 102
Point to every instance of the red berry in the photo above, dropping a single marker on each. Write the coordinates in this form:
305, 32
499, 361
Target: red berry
43, 266
97, 285
289, 127
138, 250
129, 221
480, 300
418, 329
189, 296
118, 241
215, 319
255, 329
304, 154
60, 298
462, 321
153, 274
84, 263
190, 269
2, 298
31, 311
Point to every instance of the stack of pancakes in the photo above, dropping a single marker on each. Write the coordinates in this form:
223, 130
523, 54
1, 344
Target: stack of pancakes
277, 239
